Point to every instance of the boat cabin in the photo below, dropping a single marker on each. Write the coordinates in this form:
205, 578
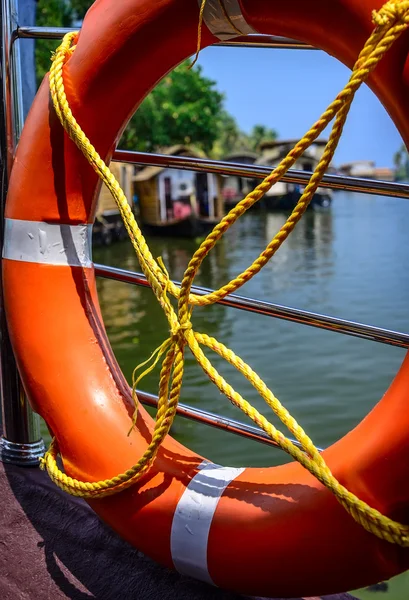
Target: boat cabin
178, 202
286, 195
235, 188
274, 151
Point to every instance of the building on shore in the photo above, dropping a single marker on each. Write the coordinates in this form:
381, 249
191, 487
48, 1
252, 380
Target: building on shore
366, 169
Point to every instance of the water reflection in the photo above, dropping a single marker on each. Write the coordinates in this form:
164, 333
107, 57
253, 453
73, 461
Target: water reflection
309, 247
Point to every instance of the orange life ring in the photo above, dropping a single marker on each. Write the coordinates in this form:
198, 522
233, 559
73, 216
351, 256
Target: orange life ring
271, 531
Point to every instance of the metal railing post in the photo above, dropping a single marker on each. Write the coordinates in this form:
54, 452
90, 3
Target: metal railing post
21, 443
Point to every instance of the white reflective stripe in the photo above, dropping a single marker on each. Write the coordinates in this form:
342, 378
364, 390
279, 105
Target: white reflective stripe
193, 518
215, 18
48, 243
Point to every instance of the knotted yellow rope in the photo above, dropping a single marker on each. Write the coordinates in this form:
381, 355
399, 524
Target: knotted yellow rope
390, 22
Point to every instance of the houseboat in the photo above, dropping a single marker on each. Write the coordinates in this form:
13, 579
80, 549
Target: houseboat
108, 225
284, 196
177, 202
235, 188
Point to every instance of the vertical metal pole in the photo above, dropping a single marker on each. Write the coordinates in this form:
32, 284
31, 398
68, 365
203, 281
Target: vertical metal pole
21, 443
26, 17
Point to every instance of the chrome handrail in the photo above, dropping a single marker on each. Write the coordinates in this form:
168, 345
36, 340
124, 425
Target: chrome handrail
251, 41
219, 422
42, 33
336, 182
339, 182
266, 41
286, 313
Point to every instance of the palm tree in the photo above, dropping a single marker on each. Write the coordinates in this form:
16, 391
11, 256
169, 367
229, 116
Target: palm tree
401, 162
261, 133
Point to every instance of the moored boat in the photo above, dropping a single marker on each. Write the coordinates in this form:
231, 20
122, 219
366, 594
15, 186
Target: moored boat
234, 186
284, 196
177, 202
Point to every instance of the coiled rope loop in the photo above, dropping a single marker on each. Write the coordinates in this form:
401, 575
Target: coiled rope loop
391, 20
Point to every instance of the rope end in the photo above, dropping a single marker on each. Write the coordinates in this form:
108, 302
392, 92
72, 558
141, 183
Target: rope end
199, 35
194, 61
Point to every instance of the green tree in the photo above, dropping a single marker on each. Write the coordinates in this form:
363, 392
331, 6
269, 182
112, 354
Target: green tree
184, 108
230, 138
80, 7
401, 161
53, 13
259, 134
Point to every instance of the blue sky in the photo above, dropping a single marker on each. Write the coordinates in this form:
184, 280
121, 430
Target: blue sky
288, 90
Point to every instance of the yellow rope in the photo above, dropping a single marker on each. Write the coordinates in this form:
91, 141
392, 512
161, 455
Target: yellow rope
390, 22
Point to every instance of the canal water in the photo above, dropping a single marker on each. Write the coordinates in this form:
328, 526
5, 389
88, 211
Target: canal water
350, 261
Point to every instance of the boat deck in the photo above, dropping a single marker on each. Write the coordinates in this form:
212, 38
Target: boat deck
54, 547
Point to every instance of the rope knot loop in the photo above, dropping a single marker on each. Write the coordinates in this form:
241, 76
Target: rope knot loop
394, 11
179, 329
